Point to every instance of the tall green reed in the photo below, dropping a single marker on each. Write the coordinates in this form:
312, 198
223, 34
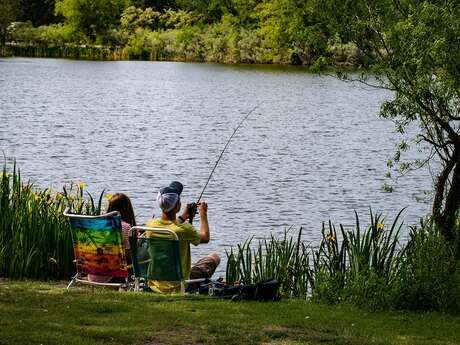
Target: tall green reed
344, 259
374, 249
35, 237
285, 259
331, 256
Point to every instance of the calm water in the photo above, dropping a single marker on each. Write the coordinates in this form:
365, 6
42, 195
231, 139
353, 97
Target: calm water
314, 150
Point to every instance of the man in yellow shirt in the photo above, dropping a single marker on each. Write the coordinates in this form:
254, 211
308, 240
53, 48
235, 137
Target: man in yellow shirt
168, 199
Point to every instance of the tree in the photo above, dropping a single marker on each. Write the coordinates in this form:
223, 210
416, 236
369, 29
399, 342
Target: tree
211, 10
290, 31
413, 49
39, 12
133, 18
91, 17
9, 9
158, 5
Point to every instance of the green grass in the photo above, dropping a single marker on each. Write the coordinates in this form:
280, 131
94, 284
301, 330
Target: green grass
41, 313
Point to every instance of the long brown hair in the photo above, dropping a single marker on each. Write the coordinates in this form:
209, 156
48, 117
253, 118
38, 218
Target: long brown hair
121, 203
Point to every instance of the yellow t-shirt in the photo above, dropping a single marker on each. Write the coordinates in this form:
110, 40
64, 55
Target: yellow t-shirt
187, 234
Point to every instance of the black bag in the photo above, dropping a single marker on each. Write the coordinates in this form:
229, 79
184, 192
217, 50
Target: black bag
264, 291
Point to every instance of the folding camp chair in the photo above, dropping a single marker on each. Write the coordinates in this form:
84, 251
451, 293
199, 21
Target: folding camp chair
98, 248
155, 256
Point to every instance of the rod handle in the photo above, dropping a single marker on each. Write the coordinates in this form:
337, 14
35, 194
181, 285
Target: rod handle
192, 211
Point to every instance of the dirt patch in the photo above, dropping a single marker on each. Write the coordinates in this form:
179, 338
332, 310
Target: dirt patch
282, 335
185, 336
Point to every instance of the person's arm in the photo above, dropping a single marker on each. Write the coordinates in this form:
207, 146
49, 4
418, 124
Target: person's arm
204, 225
184, 216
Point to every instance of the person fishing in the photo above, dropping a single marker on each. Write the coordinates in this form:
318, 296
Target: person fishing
168, 200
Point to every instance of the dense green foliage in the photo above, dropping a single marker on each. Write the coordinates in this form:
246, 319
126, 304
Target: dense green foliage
9, 10
38, 12
270, 31
92, 19
368, 268
34, 237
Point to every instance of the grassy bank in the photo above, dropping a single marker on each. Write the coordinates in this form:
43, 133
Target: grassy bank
39, 313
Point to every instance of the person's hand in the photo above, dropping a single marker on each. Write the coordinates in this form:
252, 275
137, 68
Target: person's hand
188, 210
203, 209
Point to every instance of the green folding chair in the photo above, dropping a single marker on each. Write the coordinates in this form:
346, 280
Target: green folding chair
98, 248
155, 256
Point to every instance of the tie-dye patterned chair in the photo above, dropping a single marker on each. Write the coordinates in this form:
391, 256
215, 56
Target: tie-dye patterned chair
98, 248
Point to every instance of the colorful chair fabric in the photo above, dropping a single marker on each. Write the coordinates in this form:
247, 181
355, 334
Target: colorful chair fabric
98, 248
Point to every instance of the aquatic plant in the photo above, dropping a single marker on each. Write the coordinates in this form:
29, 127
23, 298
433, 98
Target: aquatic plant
35, 237
374, 258
75, 201
368, 268
285, 259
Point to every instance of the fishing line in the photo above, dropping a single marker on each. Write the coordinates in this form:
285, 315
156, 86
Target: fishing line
194, 205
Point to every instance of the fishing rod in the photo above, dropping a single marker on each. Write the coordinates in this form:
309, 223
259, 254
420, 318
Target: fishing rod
194, 205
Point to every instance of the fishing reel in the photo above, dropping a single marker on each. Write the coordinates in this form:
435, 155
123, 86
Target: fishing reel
193, 209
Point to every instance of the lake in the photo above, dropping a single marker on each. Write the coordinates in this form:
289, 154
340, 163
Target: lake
313, 150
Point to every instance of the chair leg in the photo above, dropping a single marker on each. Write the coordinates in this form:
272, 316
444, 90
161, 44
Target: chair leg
74, 279
182, 287
125, 286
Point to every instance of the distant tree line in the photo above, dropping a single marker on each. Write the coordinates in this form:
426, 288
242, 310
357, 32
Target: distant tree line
262, 31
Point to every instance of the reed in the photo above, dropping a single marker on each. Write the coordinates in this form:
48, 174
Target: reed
344, 261
375, 249
68, 50
331, 257
35, 237
285, 259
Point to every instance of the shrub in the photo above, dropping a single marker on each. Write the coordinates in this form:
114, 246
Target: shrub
54, 34
342, 53
327, 288
368, 290
427, 278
